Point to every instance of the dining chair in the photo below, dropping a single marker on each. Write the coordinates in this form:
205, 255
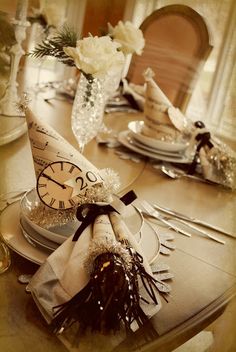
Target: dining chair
177, 44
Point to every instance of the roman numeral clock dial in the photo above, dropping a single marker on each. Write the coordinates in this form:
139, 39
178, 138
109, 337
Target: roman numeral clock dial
51, 188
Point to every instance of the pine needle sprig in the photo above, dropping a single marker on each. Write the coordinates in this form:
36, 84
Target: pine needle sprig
54, 46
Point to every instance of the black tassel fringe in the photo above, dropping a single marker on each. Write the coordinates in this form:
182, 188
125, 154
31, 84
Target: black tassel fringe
110, 299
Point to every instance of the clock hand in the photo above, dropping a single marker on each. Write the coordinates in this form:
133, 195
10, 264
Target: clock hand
51, 179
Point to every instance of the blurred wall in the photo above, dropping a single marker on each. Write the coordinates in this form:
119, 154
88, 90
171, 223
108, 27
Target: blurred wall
99, 13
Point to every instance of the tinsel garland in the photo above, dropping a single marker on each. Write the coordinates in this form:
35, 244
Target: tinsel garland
224, 162
217, 160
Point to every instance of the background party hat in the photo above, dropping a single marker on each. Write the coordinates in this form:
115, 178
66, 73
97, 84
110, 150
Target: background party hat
161, 119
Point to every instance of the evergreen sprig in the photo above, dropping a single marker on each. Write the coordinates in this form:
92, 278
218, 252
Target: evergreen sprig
54, 46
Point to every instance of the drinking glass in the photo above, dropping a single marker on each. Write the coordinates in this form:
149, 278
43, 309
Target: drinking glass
88, 109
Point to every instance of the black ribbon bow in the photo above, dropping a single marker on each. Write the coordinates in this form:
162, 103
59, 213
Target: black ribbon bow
203, 139
87, 213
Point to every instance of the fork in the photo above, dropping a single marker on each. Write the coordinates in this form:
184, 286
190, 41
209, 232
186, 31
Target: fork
154, 213
150, 211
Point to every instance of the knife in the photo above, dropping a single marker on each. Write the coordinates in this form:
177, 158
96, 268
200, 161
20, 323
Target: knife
194, 220
193, 227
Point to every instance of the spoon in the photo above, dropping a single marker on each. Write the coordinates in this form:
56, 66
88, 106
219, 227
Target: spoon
177, 174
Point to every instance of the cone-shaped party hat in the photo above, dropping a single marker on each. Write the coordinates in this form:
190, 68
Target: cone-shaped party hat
49, 147
161, 117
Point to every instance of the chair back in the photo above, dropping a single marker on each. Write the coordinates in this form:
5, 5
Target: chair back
177, 45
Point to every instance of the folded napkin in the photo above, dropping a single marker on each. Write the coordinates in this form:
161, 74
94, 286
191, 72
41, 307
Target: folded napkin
97, 280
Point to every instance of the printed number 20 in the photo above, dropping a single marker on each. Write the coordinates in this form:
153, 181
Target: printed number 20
90, 177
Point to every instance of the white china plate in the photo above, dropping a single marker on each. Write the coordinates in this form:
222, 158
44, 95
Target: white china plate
35, 238
124, 139
12, 235
59, 234
135, 131
11, 128
138, 144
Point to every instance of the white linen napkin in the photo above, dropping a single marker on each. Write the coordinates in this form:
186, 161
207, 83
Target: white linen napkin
67, 270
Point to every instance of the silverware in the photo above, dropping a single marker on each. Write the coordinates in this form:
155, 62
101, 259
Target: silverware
195, 228
153, 212
191, 219
149, 211
176, 174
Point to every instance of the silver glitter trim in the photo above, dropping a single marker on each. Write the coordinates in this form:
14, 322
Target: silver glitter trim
223, 159
99, 247
23, 103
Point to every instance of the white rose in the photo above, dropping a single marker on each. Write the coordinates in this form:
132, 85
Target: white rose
97, 56
130, 37
53, 12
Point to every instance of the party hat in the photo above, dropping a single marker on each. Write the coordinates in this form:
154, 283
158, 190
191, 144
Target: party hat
161, 119
156, 101
48, 147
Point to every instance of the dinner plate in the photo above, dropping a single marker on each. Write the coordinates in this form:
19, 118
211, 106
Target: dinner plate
35, 238
12, 235
34, 243
138, 144
124, 139
59, 234
135, 131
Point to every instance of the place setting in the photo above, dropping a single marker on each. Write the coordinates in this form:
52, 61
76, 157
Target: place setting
73, 213
117, 192
175, 144
74, 224
135, 141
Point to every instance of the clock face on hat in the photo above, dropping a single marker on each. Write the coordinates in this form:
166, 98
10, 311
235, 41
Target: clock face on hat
51, 188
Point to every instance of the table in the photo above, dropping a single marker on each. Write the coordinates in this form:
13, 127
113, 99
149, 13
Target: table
205, 271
